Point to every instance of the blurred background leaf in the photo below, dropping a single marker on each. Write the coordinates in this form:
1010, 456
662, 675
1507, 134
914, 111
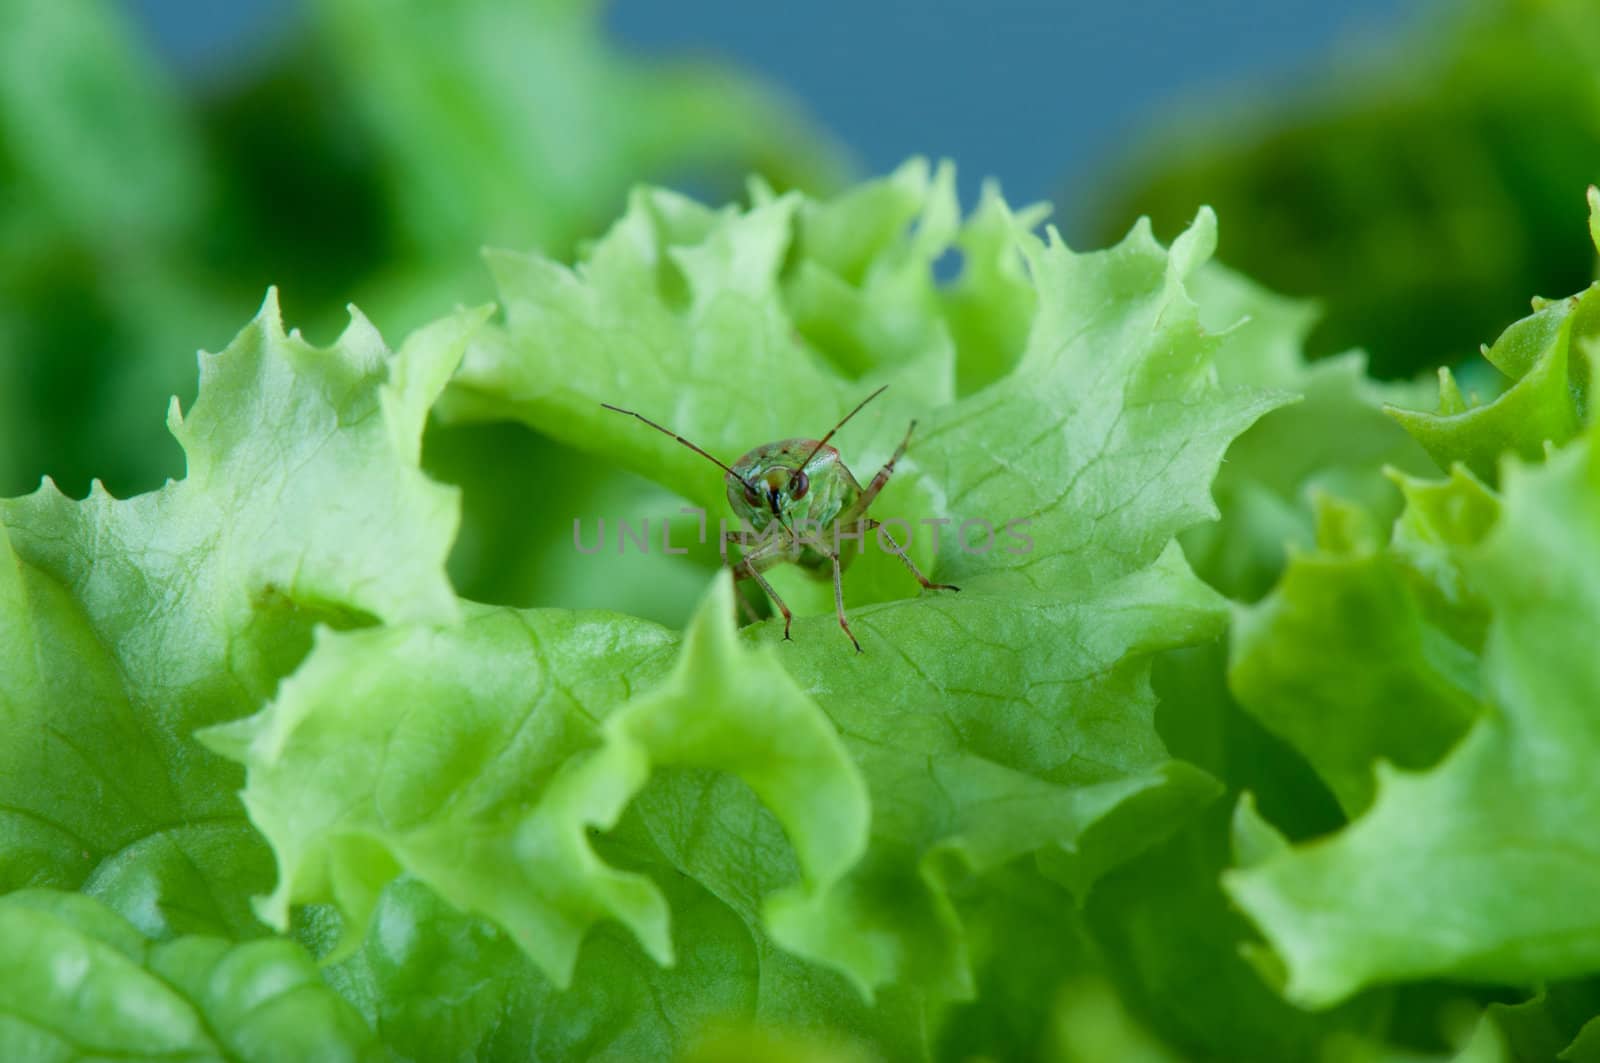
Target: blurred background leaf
1420, 189
367, 156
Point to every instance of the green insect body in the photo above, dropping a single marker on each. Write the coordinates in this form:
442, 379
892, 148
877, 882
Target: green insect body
801, 505
796, 498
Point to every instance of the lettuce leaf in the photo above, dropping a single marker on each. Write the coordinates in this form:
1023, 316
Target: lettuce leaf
128, 624
490, 805
80, 982
1436, 879
1351, 661
436, 983
1171, 940
1333, 440
1473, 867
550, 771
557, 833
1545, 400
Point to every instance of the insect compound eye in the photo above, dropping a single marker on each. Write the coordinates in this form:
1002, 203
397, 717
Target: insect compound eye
751, 495
799, 485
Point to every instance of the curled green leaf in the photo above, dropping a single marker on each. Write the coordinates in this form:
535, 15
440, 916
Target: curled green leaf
1478, 867
130, 623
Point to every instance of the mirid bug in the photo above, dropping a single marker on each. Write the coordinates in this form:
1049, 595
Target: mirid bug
802, 484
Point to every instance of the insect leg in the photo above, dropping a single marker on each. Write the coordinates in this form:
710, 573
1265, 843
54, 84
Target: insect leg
749, 567
872, 489
899, 551
745, 570
744, 608
838, 601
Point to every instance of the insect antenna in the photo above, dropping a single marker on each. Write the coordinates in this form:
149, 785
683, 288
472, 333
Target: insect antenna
667, 431
842, 421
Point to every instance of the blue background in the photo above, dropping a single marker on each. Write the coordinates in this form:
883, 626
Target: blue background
1036, 93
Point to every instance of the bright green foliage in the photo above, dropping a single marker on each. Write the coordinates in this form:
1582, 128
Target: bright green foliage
824, 817
1542, 357
1453, 662
1477, 868
862, 292
438, 984
679, 292
533, 873
1546, 360
1332, 440
81, 983
736, 711
450, 797
1114, 350
674, 294
1347, 661
1172, 939
575, 834
680, 313
128, 624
